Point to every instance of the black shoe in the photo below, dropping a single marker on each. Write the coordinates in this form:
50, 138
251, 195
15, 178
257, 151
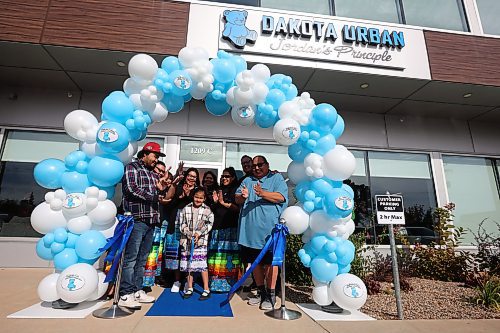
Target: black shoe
188, 294
60, 304
332, 308
204, 296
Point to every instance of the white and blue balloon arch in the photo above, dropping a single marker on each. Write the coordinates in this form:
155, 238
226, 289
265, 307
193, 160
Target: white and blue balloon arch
78, 216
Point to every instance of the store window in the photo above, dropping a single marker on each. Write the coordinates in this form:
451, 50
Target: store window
310, 6
407, 174
276, 155
381, 10
19, 193
432, 13
488, 12
201, 151
473, 188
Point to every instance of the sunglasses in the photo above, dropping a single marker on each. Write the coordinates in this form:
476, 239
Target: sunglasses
225, 176
260, 165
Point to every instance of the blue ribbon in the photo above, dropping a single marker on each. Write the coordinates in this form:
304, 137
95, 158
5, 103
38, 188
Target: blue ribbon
116, 244
277, 242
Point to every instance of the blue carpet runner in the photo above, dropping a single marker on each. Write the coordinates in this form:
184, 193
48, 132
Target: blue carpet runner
172, 304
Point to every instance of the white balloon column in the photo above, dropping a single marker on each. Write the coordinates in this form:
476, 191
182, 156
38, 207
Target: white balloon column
77, 218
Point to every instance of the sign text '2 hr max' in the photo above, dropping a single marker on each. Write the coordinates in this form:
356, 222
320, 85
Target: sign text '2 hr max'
327, 32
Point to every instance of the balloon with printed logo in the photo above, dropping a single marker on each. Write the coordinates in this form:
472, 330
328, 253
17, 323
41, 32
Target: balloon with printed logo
338, 203
243, 115
48, 173
77, 283
181, 82
286, 131
348, 291
74, 205
112, 137
105, 171
47, 288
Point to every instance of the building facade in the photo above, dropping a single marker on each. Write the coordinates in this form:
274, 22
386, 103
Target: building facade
417, 83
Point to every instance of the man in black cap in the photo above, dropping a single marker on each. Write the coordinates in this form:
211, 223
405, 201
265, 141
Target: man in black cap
140, 187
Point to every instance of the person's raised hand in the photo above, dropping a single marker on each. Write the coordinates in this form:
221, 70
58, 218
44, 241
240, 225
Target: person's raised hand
258, 189
215, 196
244, 192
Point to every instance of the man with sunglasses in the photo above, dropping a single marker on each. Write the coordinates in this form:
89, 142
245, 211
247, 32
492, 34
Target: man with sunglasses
141, 187
264, 195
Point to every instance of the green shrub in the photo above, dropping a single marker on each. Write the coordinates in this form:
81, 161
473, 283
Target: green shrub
487, 258
296, 273
488, 293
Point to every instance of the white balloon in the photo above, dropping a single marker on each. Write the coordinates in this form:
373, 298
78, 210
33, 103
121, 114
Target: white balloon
348, 291
296, 172
320, 222
101, 287
261, 72
77, 283
339, 163
288, 109
243, 115
142, 68
297, 220
321, 296
306, 236
44, 219
56, 204
130, 86
91, 149
159, 113
49, 196
313, 164
107, 230
103, 214
243, 97
260, 91
187, 56
92, 192
79, 225
47, 288
102, 195
128, 153
74, 205
78, 122
350, 227
60, 194
286, 131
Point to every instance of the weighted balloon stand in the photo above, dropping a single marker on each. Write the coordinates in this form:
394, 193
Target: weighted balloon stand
283, 313
115, 311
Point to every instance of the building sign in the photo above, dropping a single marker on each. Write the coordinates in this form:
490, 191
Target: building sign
201, 151
332, 42
390, 209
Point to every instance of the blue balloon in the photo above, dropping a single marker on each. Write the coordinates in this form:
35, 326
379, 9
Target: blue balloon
309, 195
338, 203
300, 190
56, 247
87, 261
60, 235
291, 92
323, 118
323, 270
74, 182
117, 107
105, 171
173, 103
308, 206
48, 173
81, 166
239, 63
344, 269
348, 189
317, 243
216, 107
324, 144
223, 70
65, 258
112, 137
181, 82
44, 251
339, 127
275, 97
110, 191
48, 239
297, 152
88, 244
265, 116
71, 241
170, 64
321, 186
345, 252
187, 98
137, 135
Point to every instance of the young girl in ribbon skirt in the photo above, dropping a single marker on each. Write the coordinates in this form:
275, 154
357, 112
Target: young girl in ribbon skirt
195, 220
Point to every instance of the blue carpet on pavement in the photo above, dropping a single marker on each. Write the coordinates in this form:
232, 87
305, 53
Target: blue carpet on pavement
172, 304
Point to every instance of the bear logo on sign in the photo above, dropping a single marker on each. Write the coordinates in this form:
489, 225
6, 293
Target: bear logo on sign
235, 30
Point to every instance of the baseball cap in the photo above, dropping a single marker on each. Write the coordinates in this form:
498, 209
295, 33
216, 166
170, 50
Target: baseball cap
153, 147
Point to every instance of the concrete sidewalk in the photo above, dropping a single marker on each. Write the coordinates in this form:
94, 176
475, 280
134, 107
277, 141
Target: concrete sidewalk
18, 291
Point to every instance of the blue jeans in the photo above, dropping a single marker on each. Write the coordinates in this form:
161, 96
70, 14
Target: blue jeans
136, 254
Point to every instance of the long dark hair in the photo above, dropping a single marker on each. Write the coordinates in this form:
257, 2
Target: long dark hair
215, 185
232, 173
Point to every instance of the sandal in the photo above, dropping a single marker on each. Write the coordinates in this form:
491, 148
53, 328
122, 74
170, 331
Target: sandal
188, 293
205, 295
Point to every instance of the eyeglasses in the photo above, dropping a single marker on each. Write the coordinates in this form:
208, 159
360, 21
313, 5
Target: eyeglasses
159, 170
260, 165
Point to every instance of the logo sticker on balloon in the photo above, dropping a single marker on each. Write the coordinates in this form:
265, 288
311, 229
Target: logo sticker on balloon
107, 135
182, 82
353, 290
290, 132
72, 282
72, 201
245, 112
344, 203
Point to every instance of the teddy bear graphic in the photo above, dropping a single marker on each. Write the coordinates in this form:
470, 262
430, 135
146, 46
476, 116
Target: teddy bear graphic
235, 29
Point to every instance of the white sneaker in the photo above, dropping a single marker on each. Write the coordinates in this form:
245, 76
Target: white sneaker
176, 287
142, 297
129, 301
